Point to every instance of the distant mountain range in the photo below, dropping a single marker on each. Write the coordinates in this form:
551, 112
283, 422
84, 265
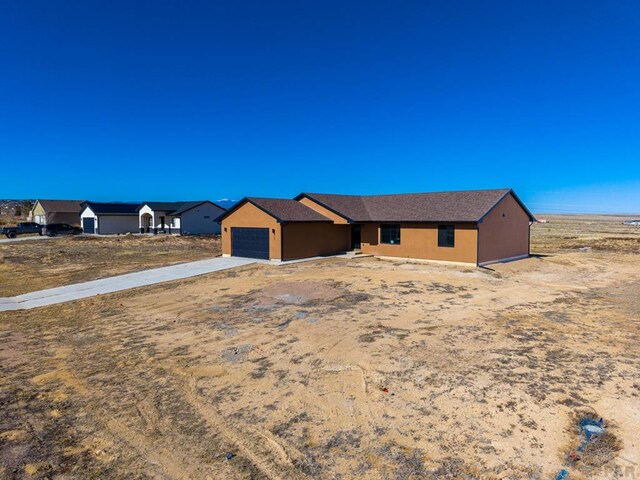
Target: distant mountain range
225, 202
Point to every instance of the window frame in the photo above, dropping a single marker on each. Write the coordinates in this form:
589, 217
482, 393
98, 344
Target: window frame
390, 239
446, 243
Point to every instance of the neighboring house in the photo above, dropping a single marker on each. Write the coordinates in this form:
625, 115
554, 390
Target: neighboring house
109, 218
185, 218
476, 226
56, 211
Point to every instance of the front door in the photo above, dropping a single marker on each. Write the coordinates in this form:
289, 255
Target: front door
356, 236
88, 225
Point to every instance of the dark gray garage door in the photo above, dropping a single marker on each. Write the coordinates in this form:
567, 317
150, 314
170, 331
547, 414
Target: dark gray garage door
88, 225
250, 242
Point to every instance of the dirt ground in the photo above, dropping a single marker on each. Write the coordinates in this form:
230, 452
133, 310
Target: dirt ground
338, 369
35, 265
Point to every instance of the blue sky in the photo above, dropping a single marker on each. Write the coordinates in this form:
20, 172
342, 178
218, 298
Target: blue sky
171, 100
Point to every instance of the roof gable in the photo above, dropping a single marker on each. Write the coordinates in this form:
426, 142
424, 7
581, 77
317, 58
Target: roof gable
176, 208
162, 206
282, 209
61, 206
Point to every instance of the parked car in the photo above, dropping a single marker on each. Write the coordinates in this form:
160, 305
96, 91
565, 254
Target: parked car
54, 229
22, 228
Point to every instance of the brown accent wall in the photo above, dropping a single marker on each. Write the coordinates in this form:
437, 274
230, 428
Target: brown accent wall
248, 215
420, 241
337, 219
504, 232
64, 217
313, 239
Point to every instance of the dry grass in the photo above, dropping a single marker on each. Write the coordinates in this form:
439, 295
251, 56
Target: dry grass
587, 232
10, 220
47, 263
332, 369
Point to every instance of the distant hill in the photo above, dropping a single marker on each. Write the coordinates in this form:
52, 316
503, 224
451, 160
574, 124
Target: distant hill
15, 208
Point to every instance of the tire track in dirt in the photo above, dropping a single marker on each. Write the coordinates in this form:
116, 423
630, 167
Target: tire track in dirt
169, 460
269, 467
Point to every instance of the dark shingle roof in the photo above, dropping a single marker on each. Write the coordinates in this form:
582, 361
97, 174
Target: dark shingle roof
163, 206
115, 208
283, 210
62, 206
175, 208
189, 205
461, 206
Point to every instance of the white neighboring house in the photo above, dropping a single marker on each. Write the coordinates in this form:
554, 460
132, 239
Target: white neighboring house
185, 218
109, 218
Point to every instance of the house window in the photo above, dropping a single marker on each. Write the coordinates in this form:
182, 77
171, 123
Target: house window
446, 236
390, 234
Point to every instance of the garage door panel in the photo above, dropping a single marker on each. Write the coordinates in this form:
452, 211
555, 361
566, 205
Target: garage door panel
88, 225
250, 242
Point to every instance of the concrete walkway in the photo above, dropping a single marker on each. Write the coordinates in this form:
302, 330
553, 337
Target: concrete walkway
121, 282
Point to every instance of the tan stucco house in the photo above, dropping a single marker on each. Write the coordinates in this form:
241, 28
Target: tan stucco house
475, 226
46, 212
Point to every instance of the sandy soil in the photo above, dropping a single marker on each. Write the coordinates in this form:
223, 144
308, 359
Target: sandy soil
335, 369
36, 265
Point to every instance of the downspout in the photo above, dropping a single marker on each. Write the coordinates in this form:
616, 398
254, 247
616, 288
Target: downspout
281, 242
478, 244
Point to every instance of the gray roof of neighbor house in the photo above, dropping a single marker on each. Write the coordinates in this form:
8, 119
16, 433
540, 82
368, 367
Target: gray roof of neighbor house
62, 206
282, 209
460, 206
189, 205
175, 208
162, 206
114, 208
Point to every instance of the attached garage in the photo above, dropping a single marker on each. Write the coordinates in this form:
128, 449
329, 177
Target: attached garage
280, 229
109, 218
250, 242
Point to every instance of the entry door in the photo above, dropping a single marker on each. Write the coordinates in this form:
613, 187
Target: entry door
356, 236
89, 225
250, 242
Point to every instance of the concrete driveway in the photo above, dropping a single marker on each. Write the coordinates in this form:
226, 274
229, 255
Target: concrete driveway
22, 239
121, 282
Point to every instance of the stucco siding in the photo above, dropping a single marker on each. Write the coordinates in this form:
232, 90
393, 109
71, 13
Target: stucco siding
88, 213
201, 220
249, 215
311, 239
504, 232
420, 241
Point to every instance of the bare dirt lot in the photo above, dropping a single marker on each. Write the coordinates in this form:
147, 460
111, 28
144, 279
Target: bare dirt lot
338, 369
39, 264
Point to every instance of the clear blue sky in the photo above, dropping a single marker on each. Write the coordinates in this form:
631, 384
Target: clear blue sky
171, 100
